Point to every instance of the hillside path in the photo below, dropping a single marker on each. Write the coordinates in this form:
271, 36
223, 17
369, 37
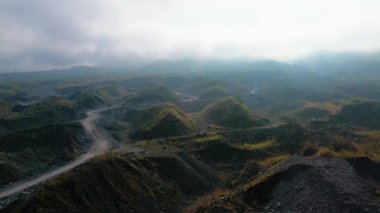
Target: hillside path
100, 144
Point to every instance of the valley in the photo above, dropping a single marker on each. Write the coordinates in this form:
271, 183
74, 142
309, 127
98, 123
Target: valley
189, 143
189, 106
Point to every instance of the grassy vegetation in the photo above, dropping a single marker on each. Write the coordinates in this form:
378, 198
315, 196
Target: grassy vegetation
52, 107
327, 106
51, 110
332, 106
208, 138
230, 113
230, 146
344, 147
270, 161
158, 122
98, 97
267, 145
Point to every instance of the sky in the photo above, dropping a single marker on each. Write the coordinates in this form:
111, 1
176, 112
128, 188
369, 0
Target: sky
42, 34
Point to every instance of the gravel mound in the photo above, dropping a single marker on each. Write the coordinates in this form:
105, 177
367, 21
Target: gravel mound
318, 185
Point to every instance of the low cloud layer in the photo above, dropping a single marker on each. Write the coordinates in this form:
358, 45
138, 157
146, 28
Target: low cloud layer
43, 34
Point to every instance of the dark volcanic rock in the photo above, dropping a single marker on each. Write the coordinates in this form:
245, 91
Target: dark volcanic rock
191, 175
108, 183
318, 185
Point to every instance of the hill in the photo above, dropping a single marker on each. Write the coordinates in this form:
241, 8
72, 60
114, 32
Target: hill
190, 174
230, 113
109, 183
188, 66
52, 110
302, 185
364, 114
158, 122
152, 95
31, 151
318, 185
98, 97
117, 182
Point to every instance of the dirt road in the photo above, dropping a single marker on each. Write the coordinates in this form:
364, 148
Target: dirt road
100, 144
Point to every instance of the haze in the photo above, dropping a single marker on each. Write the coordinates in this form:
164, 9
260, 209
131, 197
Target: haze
43, 34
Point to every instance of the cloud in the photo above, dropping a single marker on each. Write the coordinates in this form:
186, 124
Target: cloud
50, 33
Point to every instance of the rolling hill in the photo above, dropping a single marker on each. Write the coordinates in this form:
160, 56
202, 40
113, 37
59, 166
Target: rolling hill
153, 95
364, 114
98, 97
119, 183
52, 110
158, 122
230, 113
30, 151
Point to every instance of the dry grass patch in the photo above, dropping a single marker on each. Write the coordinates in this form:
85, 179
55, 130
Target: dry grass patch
268, 162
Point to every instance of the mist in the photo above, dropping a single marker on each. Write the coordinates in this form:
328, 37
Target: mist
46, 34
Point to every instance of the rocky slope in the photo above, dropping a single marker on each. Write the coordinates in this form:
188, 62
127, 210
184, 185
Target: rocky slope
34, 150
191, 175
317, 185
302, 185
119, 182
110, 183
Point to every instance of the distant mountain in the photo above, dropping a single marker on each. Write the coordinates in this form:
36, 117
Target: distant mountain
72, 72
359, 63
184, 66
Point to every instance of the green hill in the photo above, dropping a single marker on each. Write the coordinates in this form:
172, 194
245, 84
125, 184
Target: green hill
159, 94
52, 110
90, 100
230, 112
98, 97
157, 122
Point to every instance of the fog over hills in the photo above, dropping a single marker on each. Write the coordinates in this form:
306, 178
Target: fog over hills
190, 106
325, 64
45, 34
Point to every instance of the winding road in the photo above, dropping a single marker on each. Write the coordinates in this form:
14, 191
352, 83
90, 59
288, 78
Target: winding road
100, 145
